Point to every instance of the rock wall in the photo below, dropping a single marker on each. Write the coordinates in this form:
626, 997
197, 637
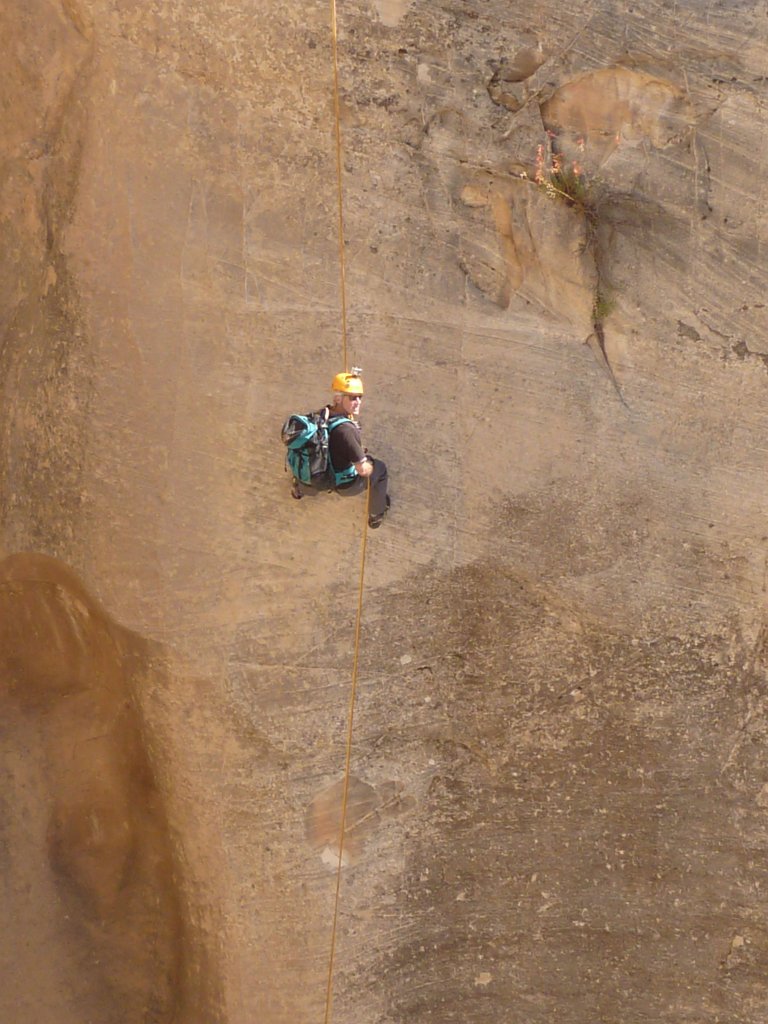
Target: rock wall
554, 226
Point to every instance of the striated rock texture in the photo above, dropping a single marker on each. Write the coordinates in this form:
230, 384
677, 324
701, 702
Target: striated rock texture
554, 224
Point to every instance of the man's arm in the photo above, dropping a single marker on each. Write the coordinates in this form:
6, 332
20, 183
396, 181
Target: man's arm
346, 449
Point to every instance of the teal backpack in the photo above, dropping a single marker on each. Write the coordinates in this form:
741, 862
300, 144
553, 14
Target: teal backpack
306, 438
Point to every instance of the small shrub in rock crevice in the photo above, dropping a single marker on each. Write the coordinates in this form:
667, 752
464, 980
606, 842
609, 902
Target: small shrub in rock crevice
603, 306
566, 181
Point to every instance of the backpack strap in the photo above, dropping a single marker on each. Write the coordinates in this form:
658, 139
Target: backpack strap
336, 421
345, 476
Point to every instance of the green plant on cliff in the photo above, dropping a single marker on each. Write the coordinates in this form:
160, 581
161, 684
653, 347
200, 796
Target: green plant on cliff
603, 305
565, 180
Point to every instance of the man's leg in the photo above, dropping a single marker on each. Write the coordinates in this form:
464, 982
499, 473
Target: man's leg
379, 480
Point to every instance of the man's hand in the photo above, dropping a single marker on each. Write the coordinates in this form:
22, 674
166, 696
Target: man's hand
365, 466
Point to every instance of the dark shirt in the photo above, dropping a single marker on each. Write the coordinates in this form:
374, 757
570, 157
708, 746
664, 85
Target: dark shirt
344, 446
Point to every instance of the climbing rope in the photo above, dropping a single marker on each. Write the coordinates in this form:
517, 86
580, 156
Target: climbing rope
347, 759
339, 191
359, 613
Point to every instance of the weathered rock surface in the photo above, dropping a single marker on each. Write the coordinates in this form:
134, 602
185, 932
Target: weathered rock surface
555, 224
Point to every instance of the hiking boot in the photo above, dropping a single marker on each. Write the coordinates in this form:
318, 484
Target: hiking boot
375, 521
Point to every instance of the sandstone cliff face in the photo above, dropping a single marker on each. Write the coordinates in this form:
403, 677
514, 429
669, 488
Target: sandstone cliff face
554, 223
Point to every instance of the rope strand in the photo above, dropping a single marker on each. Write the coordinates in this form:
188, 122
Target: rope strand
339, 191
348, 759
359, 613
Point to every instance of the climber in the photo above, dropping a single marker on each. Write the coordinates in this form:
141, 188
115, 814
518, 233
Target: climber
351, 463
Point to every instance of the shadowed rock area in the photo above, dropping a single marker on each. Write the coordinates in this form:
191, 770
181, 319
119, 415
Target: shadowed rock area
90, 876
555, 226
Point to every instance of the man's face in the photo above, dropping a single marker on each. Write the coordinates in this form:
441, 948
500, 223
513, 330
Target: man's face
351, 404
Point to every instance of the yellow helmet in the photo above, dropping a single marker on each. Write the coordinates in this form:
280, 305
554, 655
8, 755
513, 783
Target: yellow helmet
348, 383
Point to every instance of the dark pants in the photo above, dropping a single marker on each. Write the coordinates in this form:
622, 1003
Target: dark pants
379, 481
